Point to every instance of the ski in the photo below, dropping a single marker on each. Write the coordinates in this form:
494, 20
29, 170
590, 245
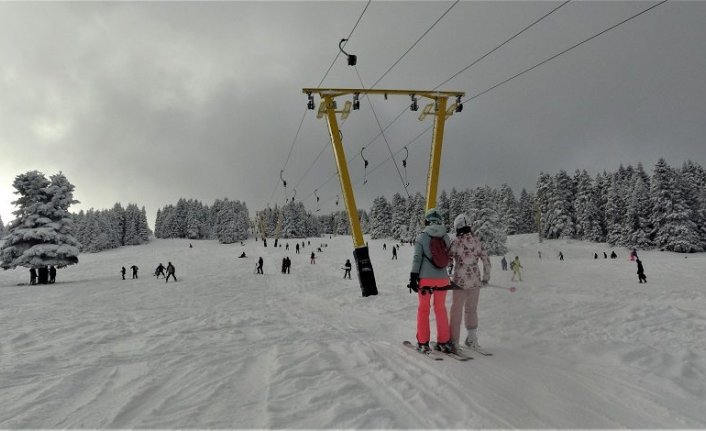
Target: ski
457, 356
477, 350
429, 354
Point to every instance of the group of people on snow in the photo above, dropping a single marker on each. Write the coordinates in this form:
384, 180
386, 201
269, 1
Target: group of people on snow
160, 270
42, 275
434, 251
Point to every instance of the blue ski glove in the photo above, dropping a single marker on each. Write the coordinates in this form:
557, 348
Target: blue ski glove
413, 282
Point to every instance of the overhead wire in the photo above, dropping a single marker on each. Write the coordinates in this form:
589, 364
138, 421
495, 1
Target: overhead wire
526, 71
514, 36
373, 86
320, 82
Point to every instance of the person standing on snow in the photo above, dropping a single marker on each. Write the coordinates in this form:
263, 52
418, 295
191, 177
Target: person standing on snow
170, 271
430, 280
640, 271
503, 264
160, 270
313, 258
465, 251
394, 253
516, 266
134, 271
347, 267
260, 262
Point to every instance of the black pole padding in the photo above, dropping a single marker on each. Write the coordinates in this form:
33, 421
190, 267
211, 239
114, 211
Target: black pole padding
366, 277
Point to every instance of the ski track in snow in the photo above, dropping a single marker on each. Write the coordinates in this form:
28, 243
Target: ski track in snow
580, 344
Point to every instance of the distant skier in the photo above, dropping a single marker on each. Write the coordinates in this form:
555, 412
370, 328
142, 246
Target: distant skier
642, 278
122, 271
561, 256
394, 253
516, 267
595, 255
170, 272
288, 264
134, 271
465, 251
613, 255
503, 264
384, 246
313, 258
32, 276
539, 253
242, 255
52, 274
605, 255
284, 265
159, 271
260, 262
286, 246
347, 267
296, 248
429, 279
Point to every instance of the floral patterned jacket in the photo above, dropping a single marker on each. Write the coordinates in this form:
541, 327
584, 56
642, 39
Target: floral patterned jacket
465, 250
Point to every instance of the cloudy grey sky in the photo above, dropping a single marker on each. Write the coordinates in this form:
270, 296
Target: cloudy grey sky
148, 102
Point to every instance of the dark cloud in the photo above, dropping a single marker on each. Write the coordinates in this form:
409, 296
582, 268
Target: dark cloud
149, 102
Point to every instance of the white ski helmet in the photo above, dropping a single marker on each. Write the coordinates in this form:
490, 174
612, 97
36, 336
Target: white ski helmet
460, 221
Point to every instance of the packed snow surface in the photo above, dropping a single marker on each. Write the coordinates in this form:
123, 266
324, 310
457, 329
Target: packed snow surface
579, 344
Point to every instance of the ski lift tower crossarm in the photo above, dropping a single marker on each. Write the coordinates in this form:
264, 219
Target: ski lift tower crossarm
328, 108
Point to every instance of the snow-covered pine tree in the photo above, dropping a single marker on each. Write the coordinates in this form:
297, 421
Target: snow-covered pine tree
380, 218
545, 192
693, 179
456, 203
637, 216
561, 223
42, 233
671, 216
443, 204
615, 211
486, 224
415, 214
509, 210
584, 208
400, 218
527, 213
144, 228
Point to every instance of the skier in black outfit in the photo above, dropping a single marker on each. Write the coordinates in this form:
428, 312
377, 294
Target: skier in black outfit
52, 274
170, 271
134, 271
260, 262
296, 249
394, 253
32, 276
284, 265
122, 271
288, 264
160, 270
641, 272
347, 267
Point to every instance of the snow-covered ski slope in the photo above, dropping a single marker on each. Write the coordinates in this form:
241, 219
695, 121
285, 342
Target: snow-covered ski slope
580, 344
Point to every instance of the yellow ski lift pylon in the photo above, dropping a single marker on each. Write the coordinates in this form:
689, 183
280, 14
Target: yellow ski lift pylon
328, 108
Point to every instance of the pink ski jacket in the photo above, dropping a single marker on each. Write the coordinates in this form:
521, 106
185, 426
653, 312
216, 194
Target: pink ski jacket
465, 250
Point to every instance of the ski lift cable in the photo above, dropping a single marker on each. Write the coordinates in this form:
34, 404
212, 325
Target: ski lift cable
382, 76
514, 36
377, 120
291, 148
547, 60
532, 68
415, 43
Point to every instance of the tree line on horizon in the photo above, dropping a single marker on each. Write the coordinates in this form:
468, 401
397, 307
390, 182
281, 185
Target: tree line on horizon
630, 208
